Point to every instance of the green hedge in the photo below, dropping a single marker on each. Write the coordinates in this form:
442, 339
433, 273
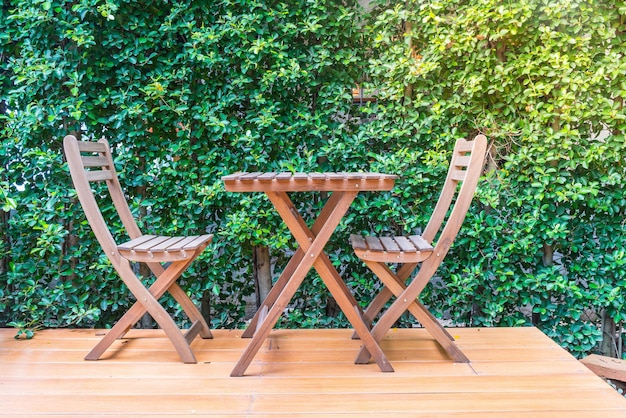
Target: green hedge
188, 91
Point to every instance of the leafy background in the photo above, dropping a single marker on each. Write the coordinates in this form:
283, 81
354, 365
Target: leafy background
188, 91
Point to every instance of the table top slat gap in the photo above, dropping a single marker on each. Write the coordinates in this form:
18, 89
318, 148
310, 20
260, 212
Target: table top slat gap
250, 176
267, 176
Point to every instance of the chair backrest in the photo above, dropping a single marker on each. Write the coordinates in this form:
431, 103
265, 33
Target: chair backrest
92, 162
466, 166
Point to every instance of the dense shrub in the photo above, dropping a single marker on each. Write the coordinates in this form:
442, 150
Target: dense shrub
188, 91
543, 79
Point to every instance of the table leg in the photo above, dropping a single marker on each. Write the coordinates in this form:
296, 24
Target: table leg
324, 267
275, 291
278, 287
351, 309
314, 249
265, 327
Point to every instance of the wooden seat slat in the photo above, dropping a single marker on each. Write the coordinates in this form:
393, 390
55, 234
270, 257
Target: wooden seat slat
165, 245
405, 245
284, 176
147, 246
180, 245
300, 176
411, 244
390, 244
358, 242
197, 241
334, 176
250, 176
372, 176
267, 176
420, 243
355, 176
232, 177
374, 243
130, 245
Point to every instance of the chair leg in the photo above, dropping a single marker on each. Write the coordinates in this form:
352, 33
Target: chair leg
378, 303
190, 309
118, 330
351, 310
147, 302
131, 317
406, 299
438, 332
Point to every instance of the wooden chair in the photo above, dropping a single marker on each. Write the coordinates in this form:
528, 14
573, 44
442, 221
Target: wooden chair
92, 162
408, 252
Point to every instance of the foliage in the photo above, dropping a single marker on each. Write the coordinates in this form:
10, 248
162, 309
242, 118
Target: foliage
543, 79
188, 91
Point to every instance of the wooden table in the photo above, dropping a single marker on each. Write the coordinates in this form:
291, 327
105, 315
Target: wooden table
311, 241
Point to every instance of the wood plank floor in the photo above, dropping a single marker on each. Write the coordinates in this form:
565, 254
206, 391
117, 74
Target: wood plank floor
515, 372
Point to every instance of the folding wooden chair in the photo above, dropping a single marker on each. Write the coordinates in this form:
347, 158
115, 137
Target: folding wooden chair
92, 162
408, 252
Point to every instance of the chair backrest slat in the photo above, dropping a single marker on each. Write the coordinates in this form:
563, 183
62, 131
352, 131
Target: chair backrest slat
466, 166
93, 156
90, 162
95, 161
461, 160
99, 175
457, 175
89, 146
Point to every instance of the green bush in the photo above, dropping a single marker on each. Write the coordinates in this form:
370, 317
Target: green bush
544, 81
188, 91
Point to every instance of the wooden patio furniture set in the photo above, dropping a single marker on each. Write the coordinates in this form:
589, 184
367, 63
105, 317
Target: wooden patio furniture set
168, 257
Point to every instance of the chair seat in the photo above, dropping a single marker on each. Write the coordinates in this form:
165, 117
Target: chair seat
400, 249
154, 248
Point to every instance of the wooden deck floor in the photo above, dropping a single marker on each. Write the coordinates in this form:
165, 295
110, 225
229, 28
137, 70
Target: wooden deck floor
515, 372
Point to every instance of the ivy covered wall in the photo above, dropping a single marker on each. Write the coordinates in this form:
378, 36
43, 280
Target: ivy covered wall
188, 91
